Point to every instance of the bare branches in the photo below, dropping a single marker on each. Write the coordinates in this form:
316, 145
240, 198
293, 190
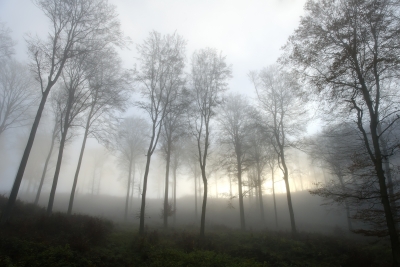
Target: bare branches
17, 95
6, 43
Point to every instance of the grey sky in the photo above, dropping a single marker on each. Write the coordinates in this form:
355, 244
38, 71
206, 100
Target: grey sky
249, 33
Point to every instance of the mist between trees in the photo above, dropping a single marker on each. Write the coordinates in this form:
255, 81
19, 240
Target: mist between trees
169, 138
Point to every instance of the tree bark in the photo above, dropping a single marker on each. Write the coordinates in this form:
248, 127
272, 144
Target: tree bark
143, 205
241, 206
174, 171
204, 206
260, 197
195, 194
166, 209
394, 239
273, 195
289, 197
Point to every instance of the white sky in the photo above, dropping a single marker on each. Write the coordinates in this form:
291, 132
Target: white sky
249, 33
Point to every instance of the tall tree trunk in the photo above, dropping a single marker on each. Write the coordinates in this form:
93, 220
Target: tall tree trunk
394, 239
53, 138
128, 187
288, 196
28, 188
72, 196
133, 184
388, 174
59, 159
260, 196
195, 193
143, 204
174, 172
166, 208
273, 195
5, 215
204, 206
241, 206
78, 168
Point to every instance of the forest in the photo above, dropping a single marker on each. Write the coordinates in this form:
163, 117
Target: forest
300, 168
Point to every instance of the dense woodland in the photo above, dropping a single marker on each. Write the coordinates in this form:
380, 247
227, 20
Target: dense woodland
173, 114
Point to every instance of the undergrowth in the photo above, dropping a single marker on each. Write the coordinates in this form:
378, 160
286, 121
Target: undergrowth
33, 239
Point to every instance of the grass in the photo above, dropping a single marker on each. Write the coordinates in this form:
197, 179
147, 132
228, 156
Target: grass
33, 239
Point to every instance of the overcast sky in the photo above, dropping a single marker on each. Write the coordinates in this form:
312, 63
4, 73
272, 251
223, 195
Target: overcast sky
249, 33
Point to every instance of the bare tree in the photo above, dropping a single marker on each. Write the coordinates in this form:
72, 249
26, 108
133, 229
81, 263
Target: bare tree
130, 143
73, 101
177, 158
173, 130
77, 27
259, 153
54, 135
107, 84
209, 74
6, 43
160, 77
355, 71
234, 124
278, 100
17, 95
333, 149
272, 159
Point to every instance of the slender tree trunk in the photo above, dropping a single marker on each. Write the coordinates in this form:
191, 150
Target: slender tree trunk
166, 208
199, 180
28, 188
260, 196
195, 194
56, 173
288, 196
204, 206
53, 138
230, 186
241, 206
128, 187
174, 171
72, 196
18, 178
143, 205
273, 195
394, 239
388, 174
133, 184
60, 154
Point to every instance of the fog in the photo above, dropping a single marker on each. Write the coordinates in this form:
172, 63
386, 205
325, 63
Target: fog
226, 108
102, 185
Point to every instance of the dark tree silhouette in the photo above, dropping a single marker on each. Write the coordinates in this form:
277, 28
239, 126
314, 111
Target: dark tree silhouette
355, 70
160, 76
77, 27
208, 81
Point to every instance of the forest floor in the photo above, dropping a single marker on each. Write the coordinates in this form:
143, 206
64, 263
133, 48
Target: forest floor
33, 239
